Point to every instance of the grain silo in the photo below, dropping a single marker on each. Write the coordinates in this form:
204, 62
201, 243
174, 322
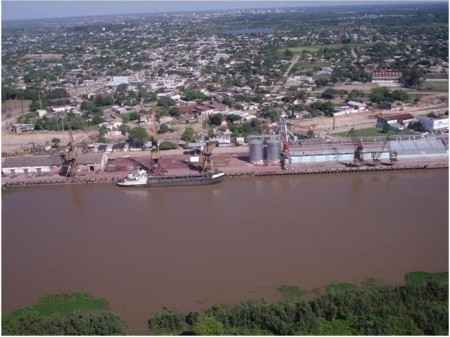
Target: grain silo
256, 151
273, 150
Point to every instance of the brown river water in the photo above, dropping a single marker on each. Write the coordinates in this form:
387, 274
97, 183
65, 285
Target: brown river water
188, 248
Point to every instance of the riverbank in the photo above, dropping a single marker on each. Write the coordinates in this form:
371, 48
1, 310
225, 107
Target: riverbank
234, 167
416, 308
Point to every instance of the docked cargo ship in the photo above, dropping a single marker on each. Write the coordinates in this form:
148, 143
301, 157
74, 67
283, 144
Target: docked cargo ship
142, 179
154, 176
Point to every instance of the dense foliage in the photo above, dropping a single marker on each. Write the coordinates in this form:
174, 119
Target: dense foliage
416, 308
65, 314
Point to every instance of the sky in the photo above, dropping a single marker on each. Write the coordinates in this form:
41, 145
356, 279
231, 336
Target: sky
19, 10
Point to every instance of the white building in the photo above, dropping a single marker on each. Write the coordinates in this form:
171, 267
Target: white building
41, 113
359, 107
118, 80
60, 109
432, 124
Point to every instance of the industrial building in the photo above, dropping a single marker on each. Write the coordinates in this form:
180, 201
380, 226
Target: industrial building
37, 165
268, 151
433, 124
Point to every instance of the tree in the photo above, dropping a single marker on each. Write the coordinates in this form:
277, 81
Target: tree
97, 118
166, 145
102, 130
174, 111
232, 118
208, 326
412, 77
188, 135
163, 128
35, 105
138, 136
55, 142
228, 101
288, 53
380, 94
9, 93
216, 119
166, 101
88, 106
122, 88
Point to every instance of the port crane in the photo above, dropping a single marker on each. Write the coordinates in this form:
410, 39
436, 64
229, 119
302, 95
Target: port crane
392, 154
286, 159
207, 164
156, 166
358, 157
69, 158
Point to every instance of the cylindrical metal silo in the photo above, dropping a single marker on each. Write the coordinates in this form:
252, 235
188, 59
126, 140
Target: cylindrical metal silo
256, 151
273, 150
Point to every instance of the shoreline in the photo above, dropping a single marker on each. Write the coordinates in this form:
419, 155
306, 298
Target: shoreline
243, 172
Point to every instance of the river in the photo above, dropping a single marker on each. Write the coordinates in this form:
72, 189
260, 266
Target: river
188, 248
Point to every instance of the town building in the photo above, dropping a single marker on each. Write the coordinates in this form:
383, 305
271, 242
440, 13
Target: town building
19, 127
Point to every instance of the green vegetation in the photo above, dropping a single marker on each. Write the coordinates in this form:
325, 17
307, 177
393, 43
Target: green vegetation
138, 136
339, 287
369, 132
383, 94
434, 86
418, 308
166, 145
188, 135
419, 277
64, 314
290, 290
207, 326
310, 49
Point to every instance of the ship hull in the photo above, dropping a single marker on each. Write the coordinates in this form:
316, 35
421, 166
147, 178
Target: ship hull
186, 180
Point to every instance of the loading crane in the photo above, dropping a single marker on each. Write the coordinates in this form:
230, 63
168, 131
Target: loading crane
358, 157
286, 160
392, 154
207, 165
69, 158
156, 166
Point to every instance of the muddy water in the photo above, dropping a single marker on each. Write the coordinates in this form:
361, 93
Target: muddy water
183, 249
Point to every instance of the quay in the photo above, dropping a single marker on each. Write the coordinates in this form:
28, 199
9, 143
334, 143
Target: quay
242, 173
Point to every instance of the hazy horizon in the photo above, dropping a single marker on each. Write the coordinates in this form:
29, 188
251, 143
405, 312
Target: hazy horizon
31, 10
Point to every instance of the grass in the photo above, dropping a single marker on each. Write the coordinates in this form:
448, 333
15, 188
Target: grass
61, 304
418, 277
16, 104
290, 290
339, 287
369, 132
313, 48
434, 86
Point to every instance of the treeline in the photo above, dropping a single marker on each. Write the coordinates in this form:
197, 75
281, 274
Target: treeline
64, 314
412, 309
92, 324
